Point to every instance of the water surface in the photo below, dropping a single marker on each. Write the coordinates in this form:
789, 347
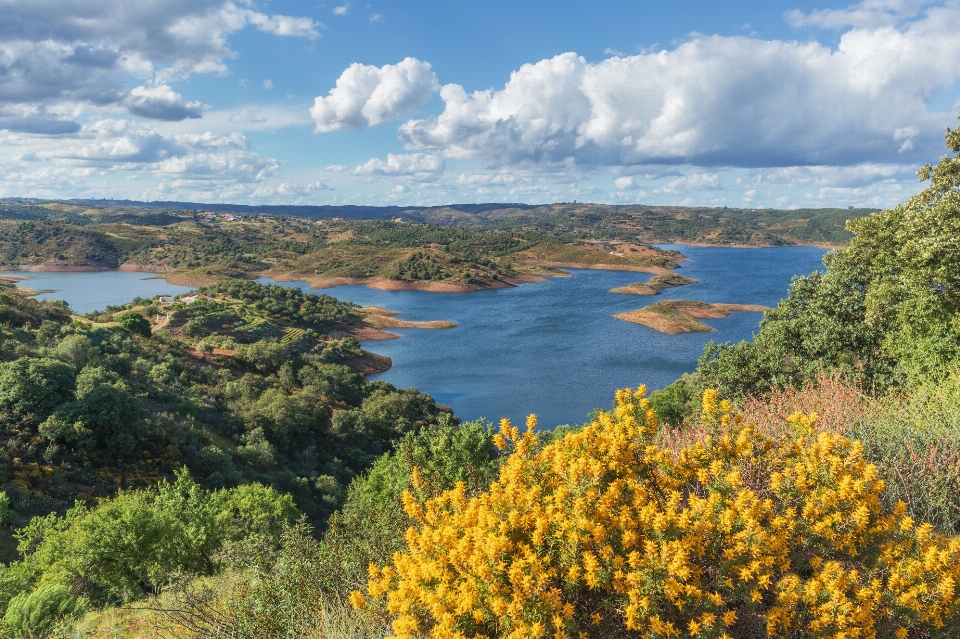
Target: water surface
555, 349
94, 291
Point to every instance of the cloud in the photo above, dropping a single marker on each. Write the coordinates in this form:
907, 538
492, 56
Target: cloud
341, 10
161, 103
284, 25
336, 168
713, 101
63, 52
248, 115
377, 17
856, 176
108, 146
369, 95
695, 181
416, 165
867, 14
38, 125
268, 84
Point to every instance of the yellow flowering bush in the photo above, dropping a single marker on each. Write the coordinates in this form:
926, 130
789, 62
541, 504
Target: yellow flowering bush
604, 534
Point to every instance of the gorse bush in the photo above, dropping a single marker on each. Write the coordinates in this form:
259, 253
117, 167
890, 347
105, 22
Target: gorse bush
302, 590
605, 534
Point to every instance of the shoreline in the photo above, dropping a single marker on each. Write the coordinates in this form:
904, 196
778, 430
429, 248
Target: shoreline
674, 317
827, 245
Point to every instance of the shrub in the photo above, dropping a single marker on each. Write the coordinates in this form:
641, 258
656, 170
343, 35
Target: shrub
7, 516
134, 544
133, 322
606, 534
35, 614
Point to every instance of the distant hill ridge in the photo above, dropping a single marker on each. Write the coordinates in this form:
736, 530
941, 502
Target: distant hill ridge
569, 221
349, 211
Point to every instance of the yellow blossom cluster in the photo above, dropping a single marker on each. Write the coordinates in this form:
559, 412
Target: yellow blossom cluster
604, 534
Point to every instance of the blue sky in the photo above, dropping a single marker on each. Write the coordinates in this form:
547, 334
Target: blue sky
756, 104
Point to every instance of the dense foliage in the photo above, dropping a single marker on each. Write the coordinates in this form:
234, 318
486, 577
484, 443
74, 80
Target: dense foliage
884, 311
249, 387
607, 534
133, 545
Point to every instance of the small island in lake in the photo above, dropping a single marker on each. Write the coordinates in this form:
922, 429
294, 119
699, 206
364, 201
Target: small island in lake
680, 316
655, 286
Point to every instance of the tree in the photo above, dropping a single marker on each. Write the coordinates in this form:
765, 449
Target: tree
31, 389
133, 322
103, 424
131, 545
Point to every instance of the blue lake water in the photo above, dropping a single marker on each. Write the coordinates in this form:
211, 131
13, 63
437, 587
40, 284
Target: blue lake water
553, 349
94, 291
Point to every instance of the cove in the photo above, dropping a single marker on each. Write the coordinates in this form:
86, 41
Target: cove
88, 291
555, 349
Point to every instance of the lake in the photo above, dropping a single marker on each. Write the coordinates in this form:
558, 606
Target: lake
553, 349
94, 291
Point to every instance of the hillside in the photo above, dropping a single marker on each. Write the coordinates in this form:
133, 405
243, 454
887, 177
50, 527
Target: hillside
568, 221
257, 384
198, 249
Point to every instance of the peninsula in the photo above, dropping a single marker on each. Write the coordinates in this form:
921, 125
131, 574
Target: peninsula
454, 248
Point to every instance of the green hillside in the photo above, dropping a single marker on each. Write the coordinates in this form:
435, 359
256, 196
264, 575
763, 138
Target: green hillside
235, 477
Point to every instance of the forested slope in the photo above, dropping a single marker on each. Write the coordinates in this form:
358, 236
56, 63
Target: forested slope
804, 484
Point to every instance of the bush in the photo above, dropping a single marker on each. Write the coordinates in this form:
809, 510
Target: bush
606, 534
7, 515
35, 614
133, 545
133, 322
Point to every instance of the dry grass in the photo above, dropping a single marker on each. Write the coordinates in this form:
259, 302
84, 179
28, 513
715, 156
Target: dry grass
912, 436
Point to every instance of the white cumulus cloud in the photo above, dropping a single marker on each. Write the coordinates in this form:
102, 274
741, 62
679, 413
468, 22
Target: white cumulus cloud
56, 53
161, 103
714, 101
370, 95
416, 165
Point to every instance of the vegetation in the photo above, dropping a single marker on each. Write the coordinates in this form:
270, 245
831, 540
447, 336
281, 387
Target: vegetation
607, 534
254, 385
203, 249
225, 464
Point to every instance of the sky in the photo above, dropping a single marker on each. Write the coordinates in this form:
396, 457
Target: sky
771, 103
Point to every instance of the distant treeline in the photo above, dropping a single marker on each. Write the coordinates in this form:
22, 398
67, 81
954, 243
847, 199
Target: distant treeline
567, 221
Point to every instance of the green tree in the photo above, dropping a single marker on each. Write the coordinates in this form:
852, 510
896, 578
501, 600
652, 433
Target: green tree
131, 545
133, 322
104, 423
31, 389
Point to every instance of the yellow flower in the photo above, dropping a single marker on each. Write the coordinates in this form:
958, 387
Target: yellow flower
357, 600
